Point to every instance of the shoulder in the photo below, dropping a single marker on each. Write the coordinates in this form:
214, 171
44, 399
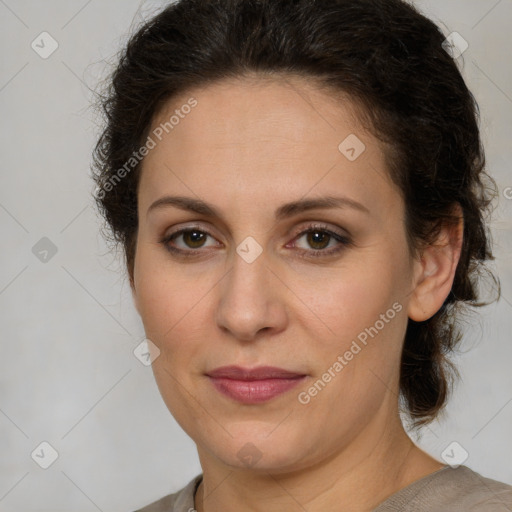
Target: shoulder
180, 501
452, 489
475, 491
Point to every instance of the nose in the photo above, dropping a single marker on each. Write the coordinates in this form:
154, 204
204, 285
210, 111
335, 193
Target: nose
252, 300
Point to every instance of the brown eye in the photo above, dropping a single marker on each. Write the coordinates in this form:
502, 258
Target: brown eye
186, 242
194, 238
318, 239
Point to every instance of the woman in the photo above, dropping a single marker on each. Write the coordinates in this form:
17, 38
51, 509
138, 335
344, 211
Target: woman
298, 187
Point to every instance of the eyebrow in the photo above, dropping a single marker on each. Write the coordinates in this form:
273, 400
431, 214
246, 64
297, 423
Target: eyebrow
286, 210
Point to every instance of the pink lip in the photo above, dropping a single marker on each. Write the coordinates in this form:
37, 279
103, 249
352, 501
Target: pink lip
252, 386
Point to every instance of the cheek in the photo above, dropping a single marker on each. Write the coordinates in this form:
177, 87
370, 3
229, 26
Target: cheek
359, 315
172, 312
358, 328
167, 296
350, 298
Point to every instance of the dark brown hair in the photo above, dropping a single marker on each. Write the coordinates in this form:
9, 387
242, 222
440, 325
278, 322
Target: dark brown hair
383, 54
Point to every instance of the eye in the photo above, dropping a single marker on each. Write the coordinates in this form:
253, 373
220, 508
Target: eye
192, 238
320, 237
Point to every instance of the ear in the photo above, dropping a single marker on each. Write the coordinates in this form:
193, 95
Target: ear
435, 270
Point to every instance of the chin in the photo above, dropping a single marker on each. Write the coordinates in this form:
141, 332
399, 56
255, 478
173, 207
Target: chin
261, 452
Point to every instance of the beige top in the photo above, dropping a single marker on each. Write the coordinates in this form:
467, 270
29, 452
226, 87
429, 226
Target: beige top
446, 490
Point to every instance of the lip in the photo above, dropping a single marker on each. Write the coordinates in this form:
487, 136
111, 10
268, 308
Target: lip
258, 373
253, 385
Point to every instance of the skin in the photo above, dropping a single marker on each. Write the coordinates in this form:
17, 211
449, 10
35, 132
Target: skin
248, 147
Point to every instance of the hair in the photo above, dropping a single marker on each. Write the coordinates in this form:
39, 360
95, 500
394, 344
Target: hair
385, 56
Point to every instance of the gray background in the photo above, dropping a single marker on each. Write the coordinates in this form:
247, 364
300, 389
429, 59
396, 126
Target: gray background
67, 372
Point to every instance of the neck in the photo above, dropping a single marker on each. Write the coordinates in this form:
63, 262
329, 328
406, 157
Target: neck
381, 460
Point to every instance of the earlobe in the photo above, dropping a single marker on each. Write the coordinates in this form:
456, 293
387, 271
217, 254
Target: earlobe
435, 270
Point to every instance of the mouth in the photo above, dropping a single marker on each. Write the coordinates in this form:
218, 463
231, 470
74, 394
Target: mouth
253, 386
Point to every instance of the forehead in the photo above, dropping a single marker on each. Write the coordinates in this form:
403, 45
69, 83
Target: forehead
238, 109
259, 134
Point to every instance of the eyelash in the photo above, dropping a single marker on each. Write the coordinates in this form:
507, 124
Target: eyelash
343, 241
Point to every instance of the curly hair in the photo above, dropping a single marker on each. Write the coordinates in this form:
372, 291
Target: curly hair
391, 61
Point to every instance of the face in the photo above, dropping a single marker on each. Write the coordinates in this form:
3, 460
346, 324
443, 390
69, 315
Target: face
317, 289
